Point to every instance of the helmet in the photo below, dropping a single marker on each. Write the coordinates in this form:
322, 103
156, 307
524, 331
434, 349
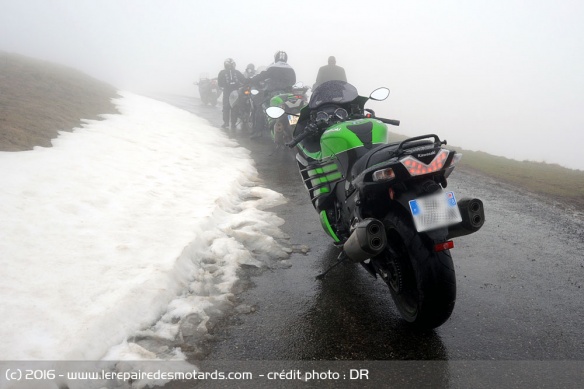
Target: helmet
229, 63
280, 56
250, 67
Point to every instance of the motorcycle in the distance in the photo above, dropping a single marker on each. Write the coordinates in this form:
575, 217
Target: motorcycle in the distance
209, 90
385, 204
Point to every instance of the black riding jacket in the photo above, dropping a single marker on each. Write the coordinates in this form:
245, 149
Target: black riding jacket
277, 76
230, 79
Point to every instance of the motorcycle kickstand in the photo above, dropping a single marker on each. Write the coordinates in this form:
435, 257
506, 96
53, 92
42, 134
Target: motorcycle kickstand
340, 259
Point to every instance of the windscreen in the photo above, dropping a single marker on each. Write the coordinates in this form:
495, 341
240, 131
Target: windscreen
337, 92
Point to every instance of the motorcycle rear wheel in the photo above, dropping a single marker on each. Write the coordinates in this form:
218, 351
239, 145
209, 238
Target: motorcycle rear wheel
246, 119
421, 281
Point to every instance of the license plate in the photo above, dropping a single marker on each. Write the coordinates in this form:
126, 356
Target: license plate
292, 120
435, 211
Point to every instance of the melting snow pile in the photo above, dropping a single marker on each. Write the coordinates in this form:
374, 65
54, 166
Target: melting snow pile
135, 225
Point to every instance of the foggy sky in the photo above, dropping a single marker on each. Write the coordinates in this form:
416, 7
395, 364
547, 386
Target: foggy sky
503, 76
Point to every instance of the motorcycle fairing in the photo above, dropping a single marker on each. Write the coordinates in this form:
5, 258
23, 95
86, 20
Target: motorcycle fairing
326, 225
277, 100
319, 178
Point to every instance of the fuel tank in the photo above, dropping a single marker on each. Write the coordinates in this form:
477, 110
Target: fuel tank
349, 135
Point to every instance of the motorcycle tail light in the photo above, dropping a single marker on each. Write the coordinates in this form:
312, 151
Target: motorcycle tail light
444, 246
418, 168
383, 175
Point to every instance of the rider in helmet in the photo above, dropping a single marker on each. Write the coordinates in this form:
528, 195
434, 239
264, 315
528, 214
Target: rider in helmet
278, 77
250, 71
229, 79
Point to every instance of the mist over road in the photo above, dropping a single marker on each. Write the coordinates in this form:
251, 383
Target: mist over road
519, 280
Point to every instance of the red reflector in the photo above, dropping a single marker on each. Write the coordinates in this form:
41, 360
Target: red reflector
444, 246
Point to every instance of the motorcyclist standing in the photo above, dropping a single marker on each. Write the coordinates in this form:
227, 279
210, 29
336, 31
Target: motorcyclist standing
330, 72
278, 77
229, 79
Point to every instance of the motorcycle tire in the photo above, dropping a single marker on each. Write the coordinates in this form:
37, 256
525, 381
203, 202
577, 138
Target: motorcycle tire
245, 124
246, 119
421, 281
260, 122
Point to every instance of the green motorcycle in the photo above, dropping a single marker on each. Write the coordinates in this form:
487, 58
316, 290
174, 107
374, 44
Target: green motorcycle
282, 128
384, 203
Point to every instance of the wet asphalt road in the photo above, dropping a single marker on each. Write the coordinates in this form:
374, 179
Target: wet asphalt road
520, 284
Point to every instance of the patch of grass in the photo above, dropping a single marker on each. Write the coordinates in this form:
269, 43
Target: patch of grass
38, 99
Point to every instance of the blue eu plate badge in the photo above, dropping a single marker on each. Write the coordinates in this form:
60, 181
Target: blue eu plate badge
435, 211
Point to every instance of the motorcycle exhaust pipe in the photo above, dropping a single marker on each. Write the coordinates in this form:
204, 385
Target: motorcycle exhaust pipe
367, 240
473, 218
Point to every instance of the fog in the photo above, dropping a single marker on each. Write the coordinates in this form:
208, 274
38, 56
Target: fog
502, 76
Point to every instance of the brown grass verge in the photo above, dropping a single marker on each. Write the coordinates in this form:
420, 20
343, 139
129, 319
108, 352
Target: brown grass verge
38, 99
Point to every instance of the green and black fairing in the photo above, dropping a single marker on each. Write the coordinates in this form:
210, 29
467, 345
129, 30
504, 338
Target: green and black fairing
325, 159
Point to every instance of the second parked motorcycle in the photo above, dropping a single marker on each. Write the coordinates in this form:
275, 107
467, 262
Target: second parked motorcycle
282, 128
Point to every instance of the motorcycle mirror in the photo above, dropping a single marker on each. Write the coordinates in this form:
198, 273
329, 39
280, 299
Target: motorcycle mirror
275, 112
379, 94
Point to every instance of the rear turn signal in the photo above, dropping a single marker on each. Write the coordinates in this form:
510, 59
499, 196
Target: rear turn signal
383, 175
444, 246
